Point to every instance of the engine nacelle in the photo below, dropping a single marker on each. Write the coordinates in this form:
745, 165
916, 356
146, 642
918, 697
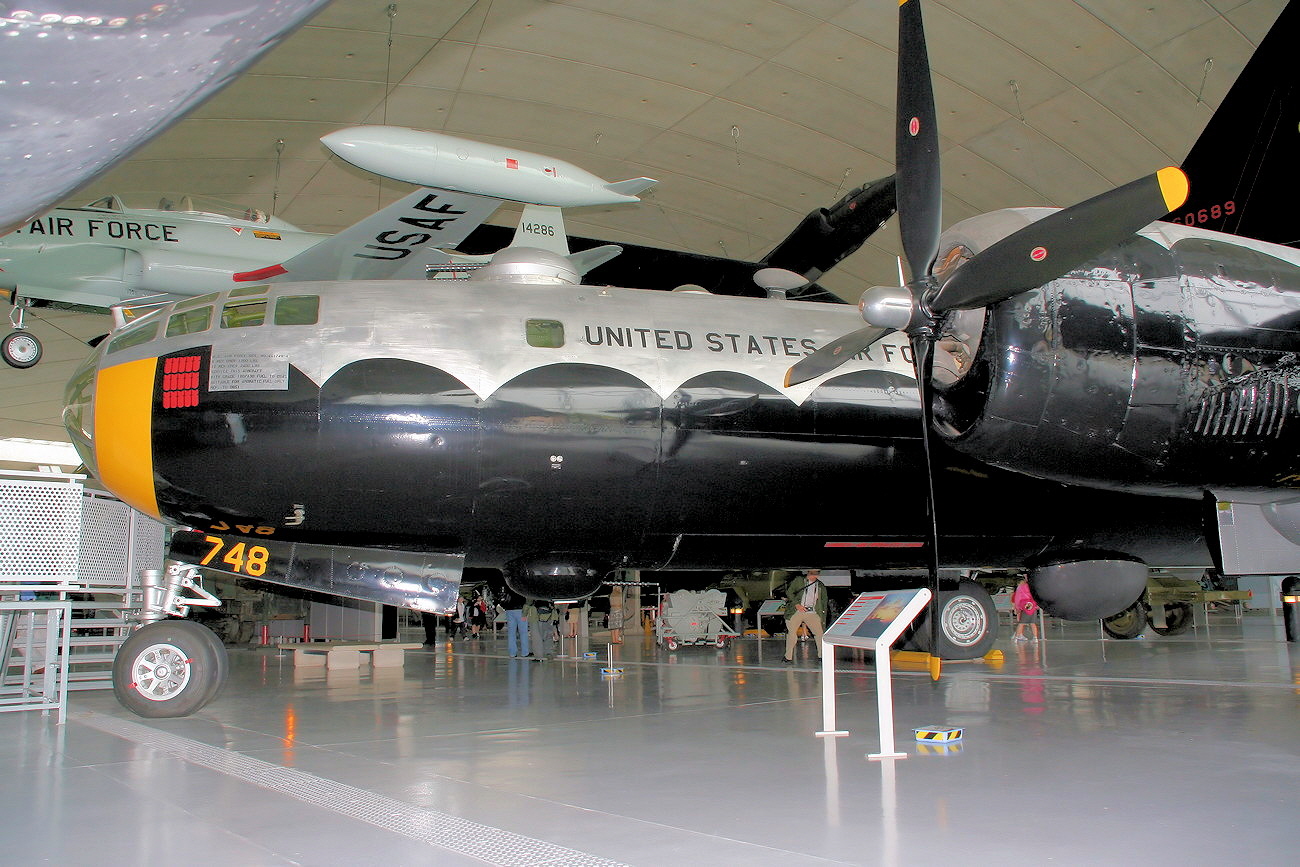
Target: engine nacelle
555, 577
1171, 367
1087, 585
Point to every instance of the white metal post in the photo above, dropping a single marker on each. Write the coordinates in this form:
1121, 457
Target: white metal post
885, 704
828, 694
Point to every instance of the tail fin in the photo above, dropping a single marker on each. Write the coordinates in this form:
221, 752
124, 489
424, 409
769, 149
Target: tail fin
542, 226
380, 247
1243, 168
631, 187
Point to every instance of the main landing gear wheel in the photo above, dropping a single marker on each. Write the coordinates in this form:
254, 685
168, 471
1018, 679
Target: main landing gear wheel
968, 623
20, 349
1178, 619
171, 668
1129, 623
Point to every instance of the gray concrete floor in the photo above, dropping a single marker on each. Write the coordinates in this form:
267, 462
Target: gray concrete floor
1076, 750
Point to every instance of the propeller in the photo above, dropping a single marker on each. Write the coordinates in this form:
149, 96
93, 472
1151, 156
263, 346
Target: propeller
1030, 257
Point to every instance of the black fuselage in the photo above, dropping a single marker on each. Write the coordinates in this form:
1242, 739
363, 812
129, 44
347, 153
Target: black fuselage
724, 473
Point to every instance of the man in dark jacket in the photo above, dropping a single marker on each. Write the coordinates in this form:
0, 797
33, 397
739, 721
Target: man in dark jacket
805, 606
516, 627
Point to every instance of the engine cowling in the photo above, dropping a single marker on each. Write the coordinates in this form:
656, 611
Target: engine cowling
1171, 367
1087, 585
555, 577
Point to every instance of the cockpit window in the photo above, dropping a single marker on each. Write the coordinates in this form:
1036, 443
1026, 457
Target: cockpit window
133, 337
297, 310
189, 322
243, 314
197, 301
245, 291
108, 203
545, 333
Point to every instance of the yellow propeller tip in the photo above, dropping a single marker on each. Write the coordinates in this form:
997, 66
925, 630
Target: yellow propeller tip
1173, 186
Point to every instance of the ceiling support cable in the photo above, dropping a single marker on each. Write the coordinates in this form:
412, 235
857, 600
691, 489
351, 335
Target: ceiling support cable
1015, 91
391, 12
1205, 74
275, 188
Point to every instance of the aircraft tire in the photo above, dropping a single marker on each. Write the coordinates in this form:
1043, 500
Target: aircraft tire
968, 623
1178, 619
21, 349
1129, 623
171, 668
222, 662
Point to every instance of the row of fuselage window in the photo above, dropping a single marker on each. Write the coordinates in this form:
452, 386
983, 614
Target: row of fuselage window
244, 310
241, 310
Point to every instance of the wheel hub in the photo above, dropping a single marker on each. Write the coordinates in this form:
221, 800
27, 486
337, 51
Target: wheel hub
964, 621
22, 348
161, 672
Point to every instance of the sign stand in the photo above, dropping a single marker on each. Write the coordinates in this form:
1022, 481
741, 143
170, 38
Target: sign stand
768, 608
873, 621
828, 693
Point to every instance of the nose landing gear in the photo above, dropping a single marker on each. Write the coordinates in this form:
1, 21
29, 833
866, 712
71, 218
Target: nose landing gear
170, 667
20, 348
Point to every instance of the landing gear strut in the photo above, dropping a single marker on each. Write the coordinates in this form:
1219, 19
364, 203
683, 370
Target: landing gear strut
170, 667
20, 348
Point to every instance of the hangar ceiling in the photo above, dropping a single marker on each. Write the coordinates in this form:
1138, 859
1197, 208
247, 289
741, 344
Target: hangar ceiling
749, 112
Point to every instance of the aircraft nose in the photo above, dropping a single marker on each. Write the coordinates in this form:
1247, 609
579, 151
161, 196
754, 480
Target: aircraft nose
79, 411
107, 413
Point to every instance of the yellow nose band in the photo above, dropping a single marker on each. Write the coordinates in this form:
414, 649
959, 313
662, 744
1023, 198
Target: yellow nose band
123, 446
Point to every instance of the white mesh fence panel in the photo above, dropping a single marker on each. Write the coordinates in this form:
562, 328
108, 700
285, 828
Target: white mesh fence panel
148, 548
40, 530
117, 541
105, 534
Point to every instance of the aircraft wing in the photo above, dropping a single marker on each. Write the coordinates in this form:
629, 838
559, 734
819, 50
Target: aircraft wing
385, 245
94, 92
593, 257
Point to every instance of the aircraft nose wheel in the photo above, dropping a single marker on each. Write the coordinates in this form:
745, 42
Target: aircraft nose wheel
20, 349
168, 669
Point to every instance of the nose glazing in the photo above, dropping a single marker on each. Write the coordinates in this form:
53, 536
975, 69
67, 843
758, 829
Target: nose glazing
79, 411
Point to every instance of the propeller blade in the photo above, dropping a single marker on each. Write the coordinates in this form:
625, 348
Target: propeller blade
827, 236
1060, 242
916, 146
833, 354
923, 361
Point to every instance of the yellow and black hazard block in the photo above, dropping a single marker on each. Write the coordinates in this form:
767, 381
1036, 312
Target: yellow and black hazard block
937, 734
